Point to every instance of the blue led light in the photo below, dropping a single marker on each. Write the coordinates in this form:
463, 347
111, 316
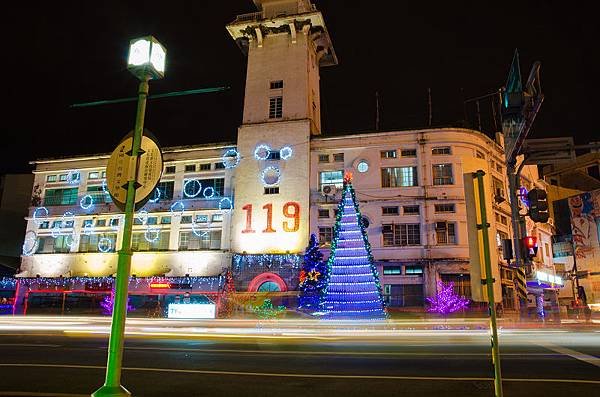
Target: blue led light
197, 232
142, 216
155, 196
209, 192
30, 244
73, 177
177, 208
88, 229
286, 153
39, 215
195, 191
152, 235
225, 205
104, 244
86, 202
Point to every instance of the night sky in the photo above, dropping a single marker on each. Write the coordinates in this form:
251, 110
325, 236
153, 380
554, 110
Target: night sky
61, 53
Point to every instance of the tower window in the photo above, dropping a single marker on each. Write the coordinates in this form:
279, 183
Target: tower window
338, 157
276, 107
276, 84
272, 190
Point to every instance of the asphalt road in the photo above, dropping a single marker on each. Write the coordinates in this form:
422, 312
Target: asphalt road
436, 363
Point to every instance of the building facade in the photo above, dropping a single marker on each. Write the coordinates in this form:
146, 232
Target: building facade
251, 206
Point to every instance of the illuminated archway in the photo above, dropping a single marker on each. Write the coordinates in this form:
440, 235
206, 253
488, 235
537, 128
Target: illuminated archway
263, 278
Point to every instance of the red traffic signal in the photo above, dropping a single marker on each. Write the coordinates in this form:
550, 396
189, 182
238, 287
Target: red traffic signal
530, 242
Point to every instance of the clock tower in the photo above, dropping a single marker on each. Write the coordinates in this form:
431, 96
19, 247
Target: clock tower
286, 42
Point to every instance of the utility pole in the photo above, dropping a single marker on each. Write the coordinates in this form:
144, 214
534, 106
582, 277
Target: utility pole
519, 109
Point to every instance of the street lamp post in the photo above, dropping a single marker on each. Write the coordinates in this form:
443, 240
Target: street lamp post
146, 61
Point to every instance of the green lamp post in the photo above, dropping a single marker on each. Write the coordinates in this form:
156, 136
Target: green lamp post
146, 61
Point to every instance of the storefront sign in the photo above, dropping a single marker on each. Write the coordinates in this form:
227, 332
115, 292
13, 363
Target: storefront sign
192, 310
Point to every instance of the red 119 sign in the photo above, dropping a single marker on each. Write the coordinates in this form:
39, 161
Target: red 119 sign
291, 210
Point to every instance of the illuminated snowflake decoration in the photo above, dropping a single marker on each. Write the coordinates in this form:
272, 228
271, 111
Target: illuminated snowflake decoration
177, 208
191, 188
104, 245
262, 152
231, 158
270, 176
286, 153
86, 202
40, 215
225, 205
156, 196
30, 244
209, 192
152, 235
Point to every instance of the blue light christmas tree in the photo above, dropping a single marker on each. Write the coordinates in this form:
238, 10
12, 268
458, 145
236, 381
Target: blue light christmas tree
313, 277
353, 290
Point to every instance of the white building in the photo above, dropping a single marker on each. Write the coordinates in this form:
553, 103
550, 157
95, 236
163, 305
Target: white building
415, 188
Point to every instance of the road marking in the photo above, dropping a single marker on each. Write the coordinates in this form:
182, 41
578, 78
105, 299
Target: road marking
572, 353
288, 375
29, 344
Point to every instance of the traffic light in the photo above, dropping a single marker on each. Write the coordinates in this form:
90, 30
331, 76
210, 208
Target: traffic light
538, 205
530, 248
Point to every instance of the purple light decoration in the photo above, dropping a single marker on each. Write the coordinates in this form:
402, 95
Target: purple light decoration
352, 290
446, 300
107, 304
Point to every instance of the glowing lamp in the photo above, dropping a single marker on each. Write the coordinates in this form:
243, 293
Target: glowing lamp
160, 285
147, 58
530, 242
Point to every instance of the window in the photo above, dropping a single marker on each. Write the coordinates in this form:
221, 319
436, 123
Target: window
323, 158
392, 270
547, 249
197, 188
413, 270
103, 174
152, 220
166, 190
44, 225
205, 167
401, 234
338, 157
186, 219
114, 222
60, 196
276, 107
388, 154
403, 295
462, 283
62, 177
218, 184
101, 222
442, 174
170, 169
272, 190
51, 178
408, 153
203, 218
274, 155
99, 195
441, 150
200, 241
105, 242
325, 235
57, 224
503, 220
51, 245
498, 187
323, 213
445, 232
276, 84
594, 171
332, 178
140, 243
411, 210
217, 218
94, 175
190, 167
444, 208
479, 154
399, 177
390, 211
499, 168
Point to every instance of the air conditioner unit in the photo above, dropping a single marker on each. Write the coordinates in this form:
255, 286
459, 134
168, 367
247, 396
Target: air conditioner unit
328, 190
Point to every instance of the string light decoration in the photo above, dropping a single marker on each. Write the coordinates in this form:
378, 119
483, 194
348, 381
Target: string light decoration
86, 202
177, 208
286, 153
267, 311
108, 302
156, 196
30, 244
312, 278
88, 229
225, 205
198, 232
142, 216
209, 192
352, 288
105, 187
152, 235
446, 301
261, 261
55, 231
104, 245
231, 158
40, 215
195, 190
270, 176
74, 177
262, 152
